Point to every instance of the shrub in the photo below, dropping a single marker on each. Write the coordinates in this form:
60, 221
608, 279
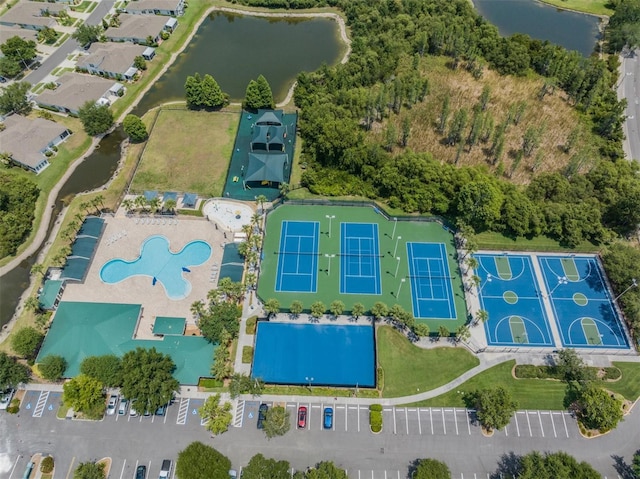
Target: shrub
375, 417
14, 408
611, 374
46, 465
251, 325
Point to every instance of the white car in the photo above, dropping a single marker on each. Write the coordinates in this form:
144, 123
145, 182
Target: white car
111, 406
132, 412
5, 399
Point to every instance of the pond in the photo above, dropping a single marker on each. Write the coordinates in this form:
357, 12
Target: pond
572, 30
235, 49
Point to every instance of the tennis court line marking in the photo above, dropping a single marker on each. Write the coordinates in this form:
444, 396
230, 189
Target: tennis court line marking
372, 253
313, 269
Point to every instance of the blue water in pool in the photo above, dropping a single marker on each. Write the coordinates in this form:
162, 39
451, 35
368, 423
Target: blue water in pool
161, 265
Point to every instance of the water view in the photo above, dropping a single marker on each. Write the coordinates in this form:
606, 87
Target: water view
572, 30
235, 49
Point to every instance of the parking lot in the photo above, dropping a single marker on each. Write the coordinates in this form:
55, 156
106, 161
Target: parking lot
418, 421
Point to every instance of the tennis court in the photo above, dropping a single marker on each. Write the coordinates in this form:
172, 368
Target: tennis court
509, 293
320, 355
431, 289
582, 305
298, 257
359, 259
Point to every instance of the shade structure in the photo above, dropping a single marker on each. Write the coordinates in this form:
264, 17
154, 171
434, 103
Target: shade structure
266, 167
189, 200
268, 138
269, 117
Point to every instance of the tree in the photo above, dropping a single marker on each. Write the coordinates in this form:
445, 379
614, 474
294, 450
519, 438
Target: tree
217, 416
85, 34
458, 124
260, 467
531, 140
444, 114
243, 384
252, 98
89, 470
84, 394
598, 409
9, 68
431, 469
218, 317
107, 369
212, 96
14, 99
336, 307
296, 308
47, 35
480, 203
556, 465
199, 461
379, 310
266, 96
277, 422
193, 91
134, 128
405, 131
12, 372
26, 341
147, 378
481, 316
421, 330
494, 407
485, 96
96, 119
443, 332
52, 367
317, 309
463, 333
326, 470
140, 63
357, 310
272, 306
636, 464
19, 50
572, 368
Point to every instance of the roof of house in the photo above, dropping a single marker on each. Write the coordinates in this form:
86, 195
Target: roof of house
153, 5
74, 90
137, 26
10, 32
112, 57
30, 13
25, 138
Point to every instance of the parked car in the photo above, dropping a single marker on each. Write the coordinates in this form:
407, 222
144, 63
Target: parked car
161, 410
302, 417
111, 406
5, 398
328, 418
233, 474
262, 415
132, 412
141, 472
165, 470
124, 405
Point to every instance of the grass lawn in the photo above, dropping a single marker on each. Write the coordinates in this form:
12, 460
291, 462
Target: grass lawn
251, 325
629, 383
247, 354
319, 391
596, 7
409, 369
497, 241
530, 393
187, 151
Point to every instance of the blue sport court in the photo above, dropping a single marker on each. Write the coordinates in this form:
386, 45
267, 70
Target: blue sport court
298, 257
509, 293
582, 306
316, 354
431, 289
359, 259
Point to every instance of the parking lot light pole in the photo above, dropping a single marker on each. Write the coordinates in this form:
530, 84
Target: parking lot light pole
634, 284
395, 250
330, 217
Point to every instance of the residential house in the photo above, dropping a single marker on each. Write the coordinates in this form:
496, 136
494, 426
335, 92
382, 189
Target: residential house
10, 32
138, 28
32, 15
75, 89
173, 8
27, 141
114, 60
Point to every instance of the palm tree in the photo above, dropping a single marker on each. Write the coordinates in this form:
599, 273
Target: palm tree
85, 205
247, 229
256, 221
243, 249
471, 262
99, 200
170, 205
79, 217
38, 269
140, 202
32, 304
96, 203
127, 204
284, 189
197, 309
261, 200
481, 316
272, 306
59, 259
357, 310
250, 280
154, 204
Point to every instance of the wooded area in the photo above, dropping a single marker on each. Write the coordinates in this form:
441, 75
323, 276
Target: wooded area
18, 197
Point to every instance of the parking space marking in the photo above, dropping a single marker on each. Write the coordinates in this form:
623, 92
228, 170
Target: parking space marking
183, 410
394, 426
346, 418
468, 421
517, 425
526, 413
358, 421
540, 421
455, 418
444, 424
419, 422
565, 424
123, 466
431, 418
553, 424
42, 402
406, 418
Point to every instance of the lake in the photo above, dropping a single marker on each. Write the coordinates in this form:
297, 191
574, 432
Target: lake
572, 30
235, 49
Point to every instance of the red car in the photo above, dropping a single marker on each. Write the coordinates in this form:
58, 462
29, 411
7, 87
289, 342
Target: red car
302, 417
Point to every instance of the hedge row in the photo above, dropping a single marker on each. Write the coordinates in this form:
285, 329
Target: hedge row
375, 417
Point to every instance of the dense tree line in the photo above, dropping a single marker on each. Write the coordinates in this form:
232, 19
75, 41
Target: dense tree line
340, 103
623, 28
18, 197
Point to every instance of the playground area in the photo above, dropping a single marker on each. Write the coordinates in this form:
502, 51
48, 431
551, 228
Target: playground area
355, 254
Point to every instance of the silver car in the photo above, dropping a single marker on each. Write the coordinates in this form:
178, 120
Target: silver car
111, 406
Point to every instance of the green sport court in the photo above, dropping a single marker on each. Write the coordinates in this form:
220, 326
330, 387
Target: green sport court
95, 329
355, 254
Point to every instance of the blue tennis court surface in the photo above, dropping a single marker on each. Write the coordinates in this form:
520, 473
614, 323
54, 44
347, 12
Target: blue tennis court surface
431, 289
508, 292
581, 302
298, 257
319, 354
359, 259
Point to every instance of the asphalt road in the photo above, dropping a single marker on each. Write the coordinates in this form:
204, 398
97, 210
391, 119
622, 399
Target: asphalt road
408, 434
629, 88
69, 46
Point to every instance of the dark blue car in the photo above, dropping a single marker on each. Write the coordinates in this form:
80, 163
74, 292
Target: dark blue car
328, 418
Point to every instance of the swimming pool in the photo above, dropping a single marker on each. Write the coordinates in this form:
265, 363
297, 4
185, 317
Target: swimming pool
161, 265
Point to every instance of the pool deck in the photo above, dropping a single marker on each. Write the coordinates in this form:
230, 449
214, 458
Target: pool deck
139, 289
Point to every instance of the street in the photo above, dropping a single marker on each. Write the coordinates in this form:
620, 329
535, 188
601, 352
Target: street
629, 88
448, 434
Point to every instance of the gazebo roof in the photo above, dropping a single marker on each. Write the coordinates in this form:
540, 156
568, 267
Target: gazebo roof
269, 117
266, 167
170, 195
149, 195
189, 199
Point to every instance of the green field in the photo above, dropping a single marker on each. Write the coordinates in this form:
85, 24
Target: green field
187, 151
409, 369
595, 7
328, 284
